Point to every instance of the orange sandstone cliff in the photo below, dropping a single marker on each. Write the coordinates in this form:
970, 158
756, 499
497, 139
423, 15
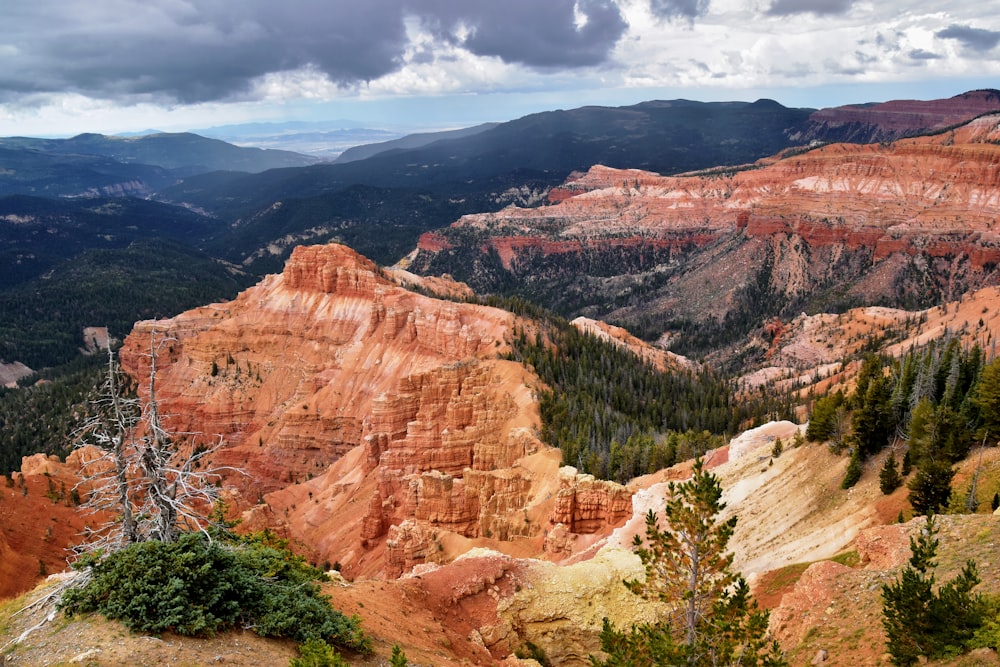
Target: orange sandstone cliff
39, 521
911, 223
375, 427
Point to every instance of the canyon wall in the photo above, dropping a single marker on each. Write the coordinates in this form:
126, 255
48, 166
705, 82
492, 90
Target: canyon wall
375, 427
888, 121
911, 223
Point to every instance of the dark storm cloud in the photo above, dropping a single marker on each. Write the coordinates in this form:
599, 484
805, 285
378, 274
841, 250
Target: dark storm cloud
818, 7
679, 9
203, 50
538, 34
976, 39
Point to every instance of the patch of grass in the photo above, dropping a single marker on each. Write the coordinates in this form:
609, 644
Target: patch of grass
785, 578
847, 558
782, 580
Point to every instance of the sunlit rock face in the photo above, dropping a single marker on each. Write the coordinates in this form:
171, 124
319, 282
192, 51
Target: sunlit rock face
377, 427
910, 223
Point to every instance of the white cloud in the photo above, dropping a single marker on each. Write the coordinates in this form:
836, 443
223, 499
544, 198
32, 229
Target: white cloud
106, 61
839, 43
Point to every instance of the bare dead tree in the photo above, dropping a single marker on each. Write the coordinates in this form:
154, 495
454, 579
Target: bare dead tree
152, 490
133, 473
108, 478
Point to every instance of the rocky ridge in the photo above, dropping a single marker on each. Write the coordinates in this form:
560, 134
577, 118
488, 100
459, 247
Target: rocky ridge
39, 520
807, 353
377, 427
888, 121
909, 223
481, 606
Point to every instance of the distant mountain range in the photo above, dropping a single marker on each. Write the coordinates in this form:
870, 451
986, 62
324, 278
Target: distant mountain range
418, 140
246, 208
700, 261
91, 165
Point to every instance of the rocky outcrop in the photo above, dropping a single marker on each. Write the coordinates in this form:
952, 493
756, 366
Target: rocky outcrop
913, 223
11, 373
888, 121
39, 521
376, 427
300, 369
585, 504
561, 609
809, 354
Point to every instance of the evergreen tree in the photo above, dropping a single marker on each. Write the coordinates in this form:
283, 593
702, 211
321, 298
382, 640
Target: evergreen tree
872, 421
871, 368
907, 466
398, 657
920, 621
711, 618
986, 397
930, 489
888, 478
823, 420
853, 472
903, 382
921, 430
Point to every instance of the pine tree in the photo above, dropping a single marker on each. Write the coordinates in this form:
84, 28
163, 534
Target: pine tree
398, 657
921, 430
930, 489
822, 421
986, 397
906, 602
872, 421
853, 472
711, 618
888, 478
921, 622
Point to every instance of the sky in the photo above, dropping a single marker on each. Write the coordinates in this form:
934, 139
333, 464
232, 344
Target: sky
109, 66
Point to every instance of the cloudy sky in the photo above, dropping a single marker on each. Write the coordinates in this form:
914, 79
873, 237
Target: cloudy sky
68, 66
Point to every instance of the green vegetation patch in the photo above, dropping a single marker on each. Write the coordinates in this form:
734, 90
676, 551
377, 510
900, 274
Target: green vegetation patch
197, 586
616, 416
785, 578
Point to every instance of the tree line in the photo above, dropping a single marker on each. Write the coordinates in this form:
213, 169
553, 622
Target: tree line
41, 415
933, 404
616, 416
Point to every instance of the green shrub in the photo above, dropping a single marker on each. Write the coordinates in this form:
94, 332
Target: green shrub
199, 587
398, 657
317, 653
923, 619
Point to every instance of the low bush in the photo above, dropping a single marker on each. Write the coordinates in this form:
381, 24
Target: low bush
196, 586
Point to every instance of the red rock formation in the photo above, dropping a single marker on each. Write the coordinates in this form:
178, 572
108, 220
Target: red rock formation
378, 428
39, 521
306, 362
916, 219
891, 120
586, 505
